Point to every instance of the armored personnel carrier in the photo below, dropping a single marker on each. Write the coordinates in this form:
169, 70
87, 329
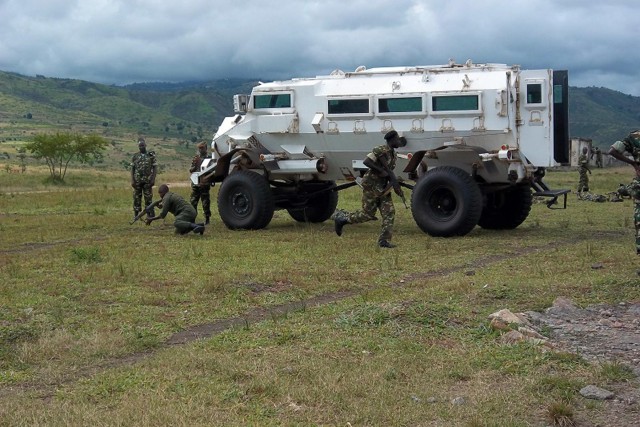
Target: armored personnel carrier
479, 137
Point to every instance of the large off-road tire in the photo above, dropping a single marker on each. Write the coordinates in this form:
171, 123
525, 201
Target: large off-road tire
507, 209
245, 201
446, 202
318, 208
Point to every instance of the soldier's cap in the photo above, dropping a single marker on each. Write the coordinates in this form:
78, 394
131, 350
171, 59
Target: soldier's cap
201, 145
390, 135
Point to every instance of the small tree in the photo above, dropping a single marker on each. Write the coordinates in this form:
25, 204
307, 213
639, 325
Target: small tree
60, 149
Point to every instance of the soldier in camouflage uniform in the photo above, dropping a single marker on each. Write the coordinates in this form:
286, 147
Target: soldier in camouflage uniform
598, 154
376, 194
185, 213
583, 168
631, 145
200, 191
144, 167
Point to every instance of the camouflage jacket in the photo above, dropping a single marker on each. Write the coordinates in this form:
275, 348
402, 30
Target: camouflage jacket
583, 161
371, 180
143, 166
196, 162
629, 145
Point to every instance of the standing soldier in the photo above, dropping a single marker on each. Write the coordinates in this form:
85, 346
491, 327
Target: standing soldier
144, 167
598, 153
631, 145
583, 168
376, 185
200, 191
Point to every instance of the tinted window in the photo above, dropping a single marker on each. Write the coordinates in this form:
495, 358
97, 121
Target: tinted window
348, 106
455, 103
557, 94
280, 100
534, 93
399, 105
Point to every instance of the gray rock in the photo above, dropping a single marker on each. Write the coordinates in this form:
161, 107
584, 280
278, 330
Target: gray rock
596, 393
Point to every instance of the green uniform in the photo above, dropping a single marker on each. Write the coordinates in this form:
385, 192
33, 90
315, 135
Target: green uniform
185, 213
200, 192
632, 146
142, 166
583, 168
374, 197
598, 158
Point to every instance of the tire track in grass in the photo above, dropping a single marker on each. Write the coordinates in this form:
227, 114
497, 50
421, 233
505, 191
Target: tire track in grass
260, 314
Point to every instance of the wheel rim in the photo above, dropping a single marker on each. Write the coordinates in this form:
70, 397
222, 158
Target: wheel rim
443, 203
240, 203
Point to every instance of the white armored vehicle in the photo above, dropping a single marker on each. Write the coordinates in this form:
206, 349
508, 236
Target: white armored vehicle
479, 137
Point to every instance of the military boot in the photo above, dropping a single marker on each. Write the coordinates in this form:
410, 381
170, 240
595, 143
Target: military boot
206, 220
385, 244
135, 213
340, 222
197, 228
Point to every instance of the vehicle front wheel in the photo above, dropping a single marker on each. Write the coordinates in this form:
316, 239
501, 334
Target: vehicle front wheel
245, 201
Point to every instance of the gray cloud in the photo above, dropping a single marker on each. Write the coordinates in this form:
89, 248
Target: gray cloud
126, 41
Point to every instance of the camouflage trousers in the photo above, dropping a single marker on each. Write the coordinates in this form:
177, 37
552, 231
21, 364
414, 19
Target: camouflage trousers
201, 193
142, 189
583, 184
371, 202
636, 220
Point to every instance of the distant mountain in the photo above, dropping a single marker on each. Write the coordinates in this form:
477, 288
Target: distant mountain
195, 109
160, 109
602, 114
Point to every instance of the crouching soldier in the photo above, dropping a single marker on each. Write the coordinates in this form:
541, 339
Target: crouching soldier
183, 211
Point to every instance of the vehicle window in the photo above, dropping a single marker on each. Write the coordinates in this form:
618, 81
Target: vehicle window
455, 103
557, 94
348, 106
400, 105
273, 100
534, 93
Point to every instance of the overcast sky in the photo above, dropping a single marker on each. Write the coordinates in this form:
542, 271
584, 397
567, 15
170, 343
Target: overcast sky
128, 41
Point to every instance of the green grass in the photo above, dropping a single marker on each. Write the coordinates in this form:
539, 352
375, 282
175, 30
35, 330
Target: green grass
87, 302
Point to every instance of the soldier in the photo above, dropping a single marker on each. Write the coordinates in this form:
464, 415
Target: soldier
200, 191
376, 191
583, 168
631, 145
185, 213
144, 167
598, 154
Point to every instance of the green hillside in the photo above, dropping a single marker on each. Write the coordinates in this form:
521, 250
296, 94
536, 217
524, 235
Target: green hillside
602, 114
170, 117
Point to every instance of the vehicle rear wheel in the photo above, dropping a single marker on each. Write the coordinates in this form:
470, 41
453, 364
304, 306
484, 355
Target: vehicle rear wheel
507, 209
245, 201
446, 202
318, 208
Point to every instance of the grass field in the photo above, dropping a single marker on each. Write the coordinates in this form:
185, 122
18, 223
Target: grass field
328, 330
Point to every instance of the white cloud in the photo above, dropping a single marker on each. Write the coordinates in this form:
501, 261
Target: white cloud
124, 41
